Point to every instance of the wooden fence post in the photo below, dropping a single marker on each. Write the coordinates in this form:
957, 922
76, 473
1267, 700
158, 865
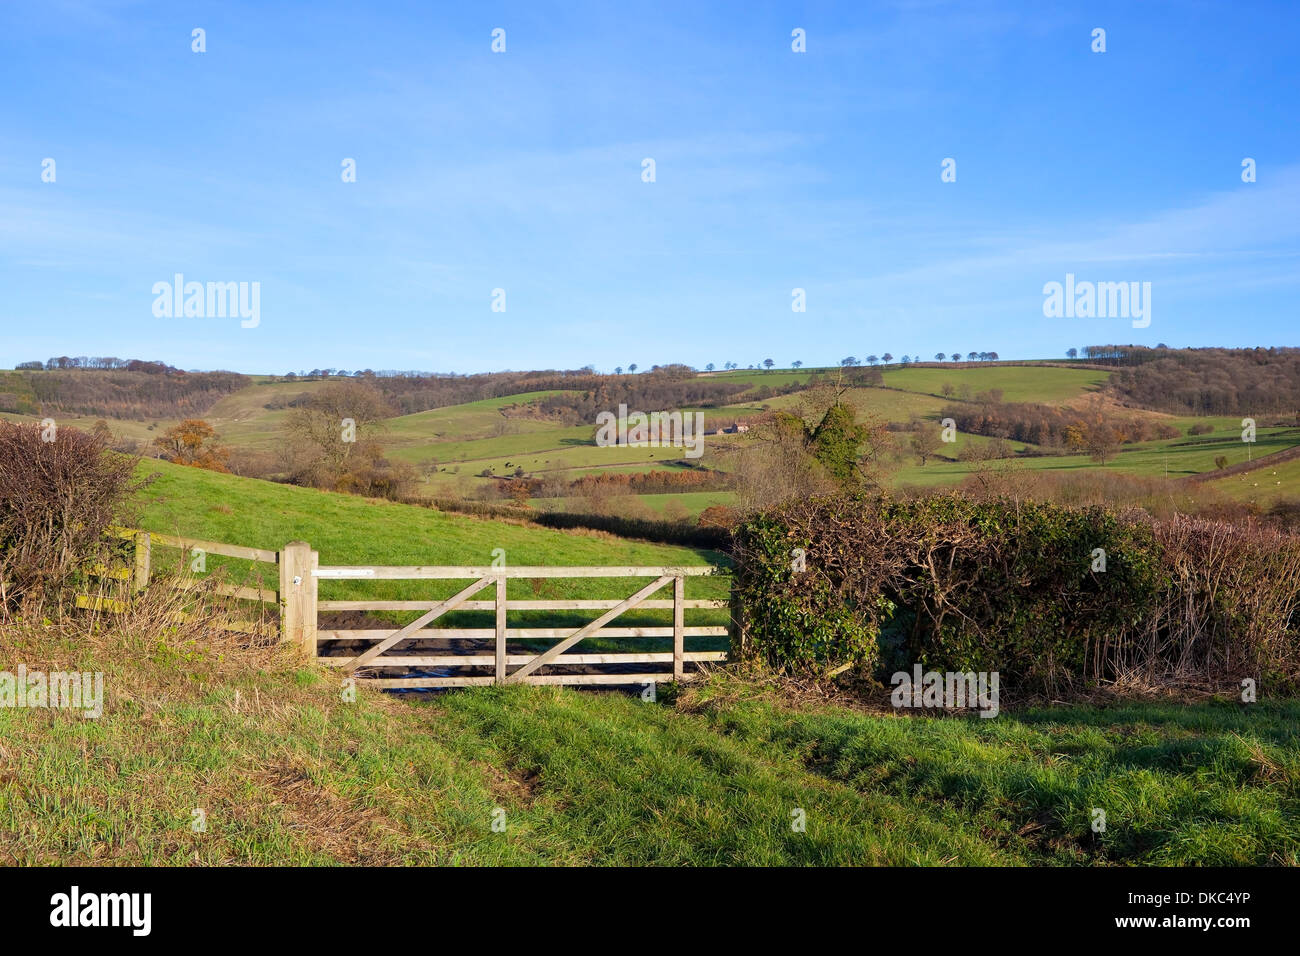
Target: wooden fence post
679, 626
143, 559
501, 629
298, 595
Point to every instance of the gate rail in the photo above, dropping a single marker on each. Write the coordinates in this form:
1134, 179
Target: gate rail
301, 573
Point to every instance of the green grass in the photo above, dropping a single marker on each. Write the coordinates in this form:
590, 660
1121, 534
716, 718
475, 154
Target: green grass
1262, 486
287, 773
1210, 784
890, 404
1019, 383
756, 378
349, 530
458, 422
691, 502
1182, 456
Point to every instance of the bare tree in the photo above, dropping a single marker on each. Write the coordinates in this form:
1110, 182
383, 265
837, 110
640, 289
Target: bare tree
925, 441
337, 423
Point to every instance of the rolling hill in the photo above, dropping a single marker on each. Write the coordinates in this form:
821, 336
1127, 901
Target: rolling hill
455, 447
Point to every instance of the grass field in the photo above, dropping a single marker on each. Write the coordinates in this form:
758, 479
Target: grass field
346, 529
1181, 456
287, 773
1262, 486
1019, 383
889, 404
460, 422
691, 503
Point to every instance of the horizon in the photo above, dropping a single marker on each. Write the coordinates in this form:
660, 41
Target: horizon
523, 171
383, 371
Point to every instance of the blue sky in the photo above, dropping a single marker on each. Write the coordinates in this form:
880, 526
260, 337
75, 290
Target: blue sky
521, 170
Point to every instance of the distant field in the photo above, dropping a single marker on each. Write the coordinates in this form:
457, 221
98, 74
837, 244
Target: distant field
458, 422
756, 378
139, 431
1018, 383
1264, 486
889, 404
484, 451
1180, 456
562, 461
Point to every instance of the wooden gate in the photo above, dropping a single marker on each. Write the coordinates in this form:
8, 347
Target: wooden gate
535, 651
484, 655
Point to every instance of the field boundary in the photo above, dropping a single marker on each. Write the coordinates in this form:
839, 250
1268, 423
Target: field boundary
1245, 467
466, 655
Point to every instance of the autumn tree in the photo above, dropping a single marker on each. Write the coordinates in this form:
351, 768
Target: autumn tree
193, 442
1095, 434
519, 492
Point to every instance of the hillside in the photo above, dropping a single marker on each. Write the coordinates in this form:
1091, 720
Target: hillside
346, 529
466, 449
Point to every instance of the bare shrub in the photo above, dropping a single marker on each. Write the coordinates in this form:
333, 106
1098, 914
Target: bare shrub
57, 498
1228, 610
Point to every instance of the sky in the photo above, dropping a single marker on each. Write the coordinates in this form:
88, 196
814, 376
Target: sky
524, 171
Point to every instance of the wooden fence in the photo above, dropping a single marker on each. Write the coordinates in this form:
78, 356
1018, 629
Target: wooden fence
138, 574
465, 656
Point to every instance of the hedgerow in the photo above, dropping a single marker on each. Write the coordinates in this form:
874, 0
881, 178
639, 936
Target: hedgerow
1055, 599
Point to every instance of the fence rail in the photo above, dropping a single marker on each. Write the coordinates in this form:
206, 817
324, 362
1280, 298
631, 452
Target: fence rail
140, 573
373, 654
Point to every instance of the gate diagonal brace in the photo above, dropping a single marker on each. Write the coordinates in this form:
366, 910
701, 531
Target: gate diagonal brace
450, 604
586, 630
